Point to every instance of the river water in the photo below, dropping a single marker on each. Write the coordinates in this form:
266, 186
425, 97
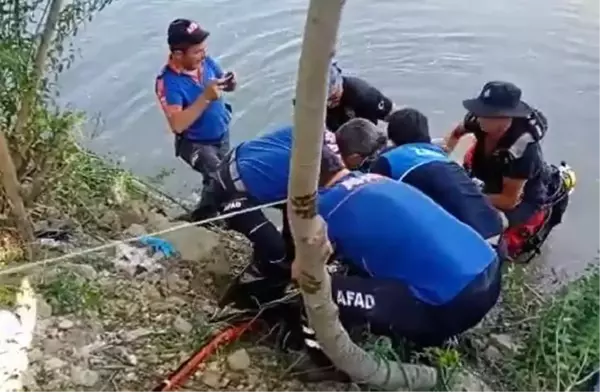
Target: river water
429, 54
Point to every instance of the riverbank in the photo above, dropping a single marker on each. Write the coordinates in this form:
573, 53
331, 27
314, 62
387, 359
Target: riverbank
101, 326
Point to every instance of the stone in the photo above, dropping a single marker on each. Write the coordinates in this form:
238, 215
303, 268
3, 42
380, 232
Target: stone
65, 324
193, 243
137, 333
86, 271
150, 292
44, 309
238, 360
182, 326
110, 220
466, 381
176, 283
35, 355
134, 212
493, 354
54, 363
504, 343
52, 346
211, 379
29, 381
84, 377
135, 230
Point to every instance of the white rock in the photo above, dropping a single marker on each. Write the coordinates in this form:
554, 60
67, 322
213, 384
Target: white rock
44, 309
54, 363
504, 343
211, 379
182, 326
84, 377
238, 360
65, 324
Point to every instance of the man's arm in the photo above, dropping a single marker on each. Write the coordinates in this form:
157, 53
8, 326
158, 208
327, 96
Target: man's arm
171, 102
515, 178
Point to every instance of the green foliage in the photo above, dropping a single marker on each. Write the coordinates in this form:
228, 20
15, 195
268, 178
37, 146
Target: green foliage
70, 293
561, 348
51, 167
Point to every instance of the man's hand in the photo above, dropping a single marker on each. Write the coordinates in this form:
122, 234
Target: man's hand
212, 91
228, 82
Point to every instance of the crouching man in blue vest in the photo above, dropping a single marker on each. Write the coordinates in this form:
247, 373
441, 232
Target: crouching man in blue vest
256, 173
419, 273
416, 161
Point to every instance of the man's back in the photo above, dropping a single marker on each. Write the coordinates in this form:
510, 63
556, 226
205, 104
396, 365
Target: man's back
427, 168
264, 164
391, 230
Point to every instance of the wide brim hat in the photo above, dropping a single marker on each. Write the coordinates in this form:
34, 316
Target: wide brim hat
498, 99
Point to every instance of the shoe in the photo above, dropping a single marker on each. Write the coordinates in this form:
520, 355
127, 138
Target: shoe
251, 289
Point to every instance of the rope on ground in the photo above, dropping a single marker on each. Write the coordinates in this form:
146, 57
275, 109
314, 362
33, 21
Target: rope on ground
45, 262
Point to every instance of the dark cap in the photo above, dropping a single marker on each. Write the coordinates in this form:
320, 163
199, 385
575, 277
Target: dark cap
183, 33
498, 99
408, 125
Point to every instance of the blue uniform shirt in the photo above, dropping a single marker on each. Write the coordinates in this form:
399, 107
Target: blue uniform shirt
264, 165
177, 89
391, 230
428, 168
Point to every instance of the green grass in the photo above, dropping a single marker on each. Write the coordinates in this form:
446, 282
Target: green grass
69, 293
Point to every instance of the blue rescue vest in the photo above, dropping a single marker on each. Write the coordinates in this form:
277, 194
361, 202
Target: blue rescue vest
407, 157
391, 230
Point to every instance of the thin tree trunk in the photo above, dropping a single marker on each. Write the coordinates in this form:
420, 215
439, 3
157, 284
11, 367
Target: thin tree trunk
308, 228
28, 100
11, 187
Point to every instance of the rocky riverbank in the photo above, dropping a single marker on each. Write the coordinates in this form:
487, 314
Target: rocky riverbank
104, 328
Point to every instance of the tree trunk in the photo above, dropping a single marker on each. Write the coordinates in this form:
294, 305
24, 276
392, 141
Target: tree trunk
11, 187
28, 100
308, 229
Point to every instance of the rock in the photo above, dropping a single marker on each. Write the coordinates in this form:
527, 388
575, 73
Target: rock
110, 220
84, 377
211, 379
182, 326
193, 243
174, 301
65, 324
84, 270
135, 230
150, 292
176, 283
52, 346
44, 309
29, 380
35, 355
504, 343
137, 333
466, 381
134, 212
238, 360
493, 354
54, 363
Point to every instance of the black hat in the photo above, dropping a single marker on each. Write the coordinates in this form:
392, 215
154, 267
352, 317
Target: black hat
408, 125
183, 33
498, 99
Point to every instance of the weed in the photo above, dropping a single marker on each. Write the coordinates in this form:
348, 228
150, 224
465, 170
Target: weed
69, 293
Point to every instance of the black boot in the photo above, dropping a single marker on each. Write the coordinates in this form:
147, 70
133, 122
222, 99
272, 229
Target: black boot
316, 366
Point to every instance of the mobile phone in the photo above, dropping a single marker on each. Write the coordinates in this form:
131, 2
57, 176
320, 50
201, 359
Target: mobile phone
228, 76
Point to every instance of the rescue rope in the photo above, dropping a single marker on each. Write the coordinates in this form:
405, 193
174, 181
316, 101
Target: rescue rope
83, 252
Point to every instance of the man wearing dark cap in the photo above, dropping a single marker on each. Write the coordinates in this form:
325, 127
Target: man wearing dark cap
507, 155
189, 90
416, 161
351, 97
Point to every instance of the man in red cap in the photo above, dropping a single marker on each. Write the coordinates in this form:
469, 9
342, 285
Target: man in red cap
189, 90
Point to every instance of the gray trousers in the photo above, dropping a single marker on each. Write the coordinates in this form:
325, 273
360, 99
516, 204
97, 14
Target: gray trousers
205, 158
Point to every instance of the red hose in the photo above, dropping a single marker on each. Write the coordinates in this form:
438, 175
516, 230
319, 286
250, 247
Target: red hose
189, 367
